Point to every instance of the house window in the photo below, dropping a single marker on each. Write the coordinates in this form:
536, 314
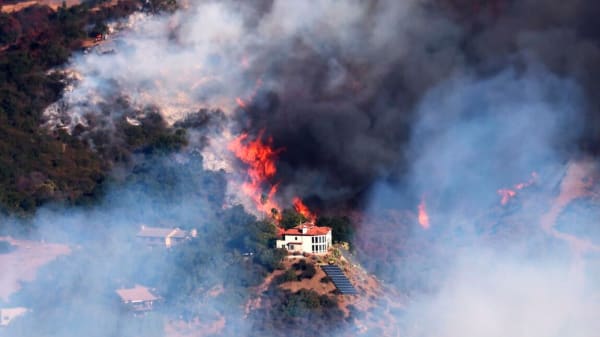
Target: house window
296, 238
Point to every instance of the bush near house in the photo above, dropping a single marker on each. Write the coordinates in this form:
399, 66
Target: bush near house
304, 313
342, 229
290, 218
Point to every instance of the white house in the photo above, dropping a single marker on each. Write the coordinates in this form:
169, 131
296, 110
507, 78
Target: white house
9, 314
306, 238
168, 237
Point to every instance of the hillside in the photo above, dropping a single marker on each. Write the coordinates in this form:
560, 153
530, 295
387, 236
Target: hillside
202, 168
41, 166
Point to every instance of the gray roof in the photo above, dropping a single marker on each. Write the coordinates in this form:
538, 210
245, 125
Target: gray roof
159, 232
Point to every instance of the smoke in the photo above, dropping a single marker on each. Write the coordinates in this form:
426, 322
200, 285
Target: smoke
74, 294
484, 268
380, 104
334, 83
345, 102
498, 296
305, 70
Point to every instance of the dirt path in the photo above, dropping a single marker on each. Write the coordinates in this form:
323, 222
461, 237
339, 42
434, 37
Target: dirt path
576, 183
21, 264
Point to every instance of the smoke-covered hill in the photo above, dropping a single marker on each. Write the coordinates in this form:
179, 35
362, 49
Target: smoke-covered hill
453, 142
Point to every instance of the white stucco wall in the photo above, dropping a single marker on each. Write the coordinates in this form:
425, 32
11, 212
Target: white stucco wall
306, 243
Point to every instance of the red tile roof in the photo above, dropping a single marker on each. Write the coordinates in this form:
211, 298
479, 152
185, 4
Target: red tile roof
312, 230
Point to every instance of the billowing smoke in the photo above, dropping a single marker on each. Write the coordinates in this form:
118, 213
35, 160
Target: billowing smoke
345, 108
498, 296
378, 105
335, 84
72, 291
488, 266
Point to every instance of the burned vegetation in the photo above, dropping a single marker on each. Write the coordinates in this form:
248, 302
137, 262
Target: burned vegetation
38, 166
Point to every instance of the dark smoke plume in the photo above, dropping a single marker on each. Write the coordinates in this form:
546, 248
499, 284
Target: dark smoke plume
344, 103
380, 104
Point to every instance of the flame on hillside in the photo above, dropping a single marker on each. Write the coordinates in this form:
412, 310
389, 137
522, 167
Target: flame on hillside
243, 102
507, 194
423, 216
303, 209
260, 158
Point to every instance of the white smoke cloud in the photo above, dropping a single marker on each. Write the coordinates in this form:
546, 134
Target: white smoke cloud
483, 269
499, 295
473, 136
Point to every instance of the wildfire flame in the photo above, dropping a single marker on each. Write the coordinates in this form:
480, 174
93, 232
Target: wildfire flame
243, 102
303, 209
507, 194
260, 158
423, 216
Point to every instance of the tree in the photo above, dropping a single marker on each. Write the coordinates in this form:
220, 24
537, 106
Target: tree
290, 218
341, 227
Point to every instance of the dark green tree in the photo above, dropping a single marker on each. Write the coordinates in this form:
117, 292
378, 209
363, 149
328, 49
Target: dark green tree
290, 218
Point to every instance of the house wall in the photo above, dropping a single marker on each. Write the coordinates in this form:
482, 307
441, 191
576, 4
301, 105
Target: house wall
140, 305
320, 243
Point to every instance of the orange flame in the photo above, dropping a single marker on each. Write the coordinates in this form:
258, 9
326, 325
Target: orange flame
303, 209
245, 62
507, 194
241, 103
260, 158
423, 216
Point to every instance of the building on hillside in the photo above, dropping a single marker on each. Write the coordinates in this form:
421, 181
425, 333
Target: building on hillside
138, 299
7, 315
306, 238
167, 237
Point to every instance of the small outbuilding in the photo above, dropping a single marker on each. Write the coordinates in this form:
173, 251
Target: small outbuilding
138, 299
166, 237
